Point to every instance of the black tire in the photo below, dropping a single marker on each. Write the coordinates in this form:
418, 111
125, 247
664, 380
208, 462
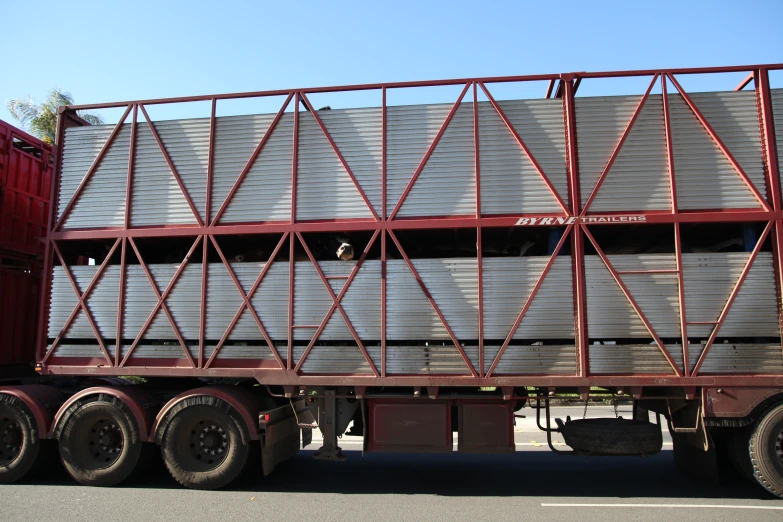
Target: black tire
613, 436
100, 444
766, 450
205, 443
737, 449
22, 453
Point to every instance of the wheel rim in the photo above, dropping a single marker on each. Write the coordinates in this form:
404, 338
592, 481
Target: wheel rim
104, 442
779, 446
11, 439
208, 444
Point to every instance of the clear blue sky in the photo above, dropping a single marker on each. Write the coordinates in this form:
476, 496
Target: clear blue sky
112, 51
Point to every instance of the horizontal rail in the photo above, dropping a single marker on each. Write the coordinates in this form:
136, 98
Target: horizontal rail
432, 83
647, 272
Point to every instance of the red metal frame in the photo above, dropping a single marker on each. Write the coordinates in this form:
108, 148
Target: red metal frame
575, 218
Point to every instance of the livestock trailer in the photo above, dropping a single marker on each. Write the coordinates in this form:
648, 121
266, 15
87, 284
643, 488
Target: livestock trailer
418, 271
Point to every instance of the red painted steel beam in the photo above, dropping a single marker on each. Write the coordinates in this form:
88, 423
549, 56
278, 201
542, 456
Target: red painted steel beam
82, 302
744, 83
340, 157
246, 302
162, 302
529, 300
336, 302
525, 149
202, 326
550, 88
121, 300
619, 145
730, 301
91, 170
429, 152
211, 160
433, 83
632, 302
479, 243
434, 305
251, 161
278, 377
734, 163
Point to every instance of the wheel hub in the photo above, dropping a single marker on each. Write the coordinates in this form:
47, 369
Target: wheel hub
208, 442
10, 440
779, 446
105, 441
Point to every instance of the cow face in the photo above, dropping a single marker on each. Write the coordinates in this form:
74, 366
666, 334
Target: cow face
345, 252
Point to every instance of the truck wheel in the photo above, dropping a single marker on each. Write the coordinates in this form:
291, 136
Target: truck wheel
766, 451
22, 453
737, 441
206, 444
100, 444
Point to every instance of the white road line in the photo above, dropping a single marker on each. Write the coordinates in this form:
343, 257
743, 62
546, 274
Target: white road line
706, 506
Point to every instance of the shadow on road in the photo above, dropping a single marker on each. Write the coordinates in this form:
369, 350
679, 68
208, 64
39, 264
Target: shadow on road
525, 473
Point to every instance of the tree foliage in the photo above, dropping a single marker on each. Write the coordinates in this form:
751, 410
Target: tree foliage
41, 119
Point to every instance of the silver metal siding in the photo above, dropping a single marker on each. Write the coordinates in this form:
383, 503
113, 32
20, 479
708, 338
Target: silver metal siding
777, 115
639, 177
508, 282
447, 184
102, 302
156, 196
739, 358
270, 302
705, 178
324, 188
709, 280
265, 193
532, 360
635, 358
509, 182
610, 315
102, 202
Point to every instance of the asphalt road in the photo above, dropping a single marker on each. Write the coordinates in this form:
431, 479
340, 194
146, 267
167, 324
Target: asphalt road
530, 484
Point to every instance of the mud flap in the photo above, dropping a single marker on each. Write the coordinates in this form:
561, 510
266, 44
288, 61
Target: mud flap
279, 436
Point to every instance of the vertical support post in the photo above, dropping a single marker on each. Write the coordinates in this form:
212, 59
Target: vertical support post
677, 232
384, 125
383, 302
328, 423
772, 163
204, 278
291, 267
295, 158
479, 256
577, 240
47, 274
211, 161
120, 303
129, 182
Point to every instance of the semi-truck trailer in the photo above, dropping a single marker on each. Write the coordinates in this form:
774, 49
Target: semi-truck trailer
216, 288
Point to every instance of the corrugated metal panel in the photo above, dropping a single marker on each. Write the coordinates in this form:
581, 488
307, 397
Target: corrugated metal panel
246, 351
157, 198
169, 350
433, 359
739, 358
532, 360
82, 350
509, 182
705, 178
324, 188
447, 184
265, 193
102, 202
453, 285
184, 301
337, 360
710, 278
102, 302
270, 302
777, 114
635, 358
361, 303
508, 282
610, 315
639, 177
